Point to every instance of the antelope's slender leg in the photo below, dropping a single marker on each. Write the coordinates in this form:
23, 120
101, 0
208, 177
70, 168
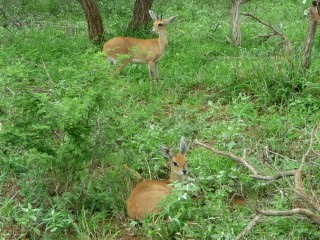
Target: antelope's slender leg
156, 72
152, 68
122, 66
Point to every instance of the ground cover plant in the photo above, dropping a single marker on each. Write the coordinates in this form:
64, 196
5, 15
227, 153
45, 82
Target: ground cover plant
68, 128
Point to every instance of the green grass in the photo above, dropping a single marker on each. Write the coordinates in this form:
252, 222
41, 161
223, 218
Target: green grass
68, 127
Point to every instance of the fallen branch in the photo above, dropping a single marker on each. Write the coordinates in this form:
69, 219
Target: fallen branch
256, 175
250, 226
276, 176
312, 202
288, 213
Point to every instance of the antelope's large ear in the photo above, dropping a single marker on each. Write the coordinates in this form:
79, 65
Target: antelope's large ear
153, 15
171, 19
183, 146
166, 152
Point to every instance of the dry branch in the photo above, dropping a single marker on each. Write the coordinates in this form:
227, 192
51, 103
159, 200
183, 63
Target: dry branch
250, 226
310, 201
312, 136
276, 176
242, 161
229, 155
295, 211
285, 40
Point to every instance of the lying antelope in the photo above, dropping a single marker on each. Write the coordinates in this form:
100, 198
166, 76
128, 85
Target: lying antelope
141, 51
146, 196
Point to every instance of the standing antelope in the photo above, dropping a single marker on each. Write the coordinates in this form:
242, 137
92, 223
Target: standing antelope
145, 51
146, 196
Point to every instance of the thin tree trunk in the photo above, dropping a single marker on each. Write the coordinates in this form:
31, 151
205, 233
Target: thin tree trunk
314, 16
235, 22
140, 17
94, 20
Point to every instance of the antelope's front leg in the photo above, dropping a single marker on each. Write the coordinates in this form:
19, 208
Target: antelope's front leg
152, 68
156, 72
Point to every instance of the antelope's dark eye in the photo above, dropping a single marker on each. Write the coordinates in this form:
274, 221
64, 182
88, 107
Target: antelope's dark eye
175, 164
160, 24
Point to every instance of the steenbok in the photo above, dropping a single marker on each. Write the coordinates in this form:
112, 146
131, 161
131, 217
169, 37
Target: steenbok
141, 51
147, 195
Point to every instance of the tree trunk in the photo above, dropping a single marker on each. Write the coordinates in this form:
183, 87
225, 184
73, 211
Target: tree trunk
94, 20
235, 21
314, 16
141, 17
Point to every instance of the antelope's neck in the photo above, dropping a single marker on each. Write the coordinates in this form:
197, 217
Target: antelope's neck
163, 40
176, 178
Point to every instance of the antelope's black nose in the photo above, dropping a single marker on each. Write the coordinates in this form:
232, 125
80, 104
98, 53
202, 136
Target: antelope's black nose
185, 172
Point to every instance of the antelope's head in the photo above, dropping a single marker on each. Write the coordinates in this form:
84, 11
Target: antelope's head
160, 25
178, 162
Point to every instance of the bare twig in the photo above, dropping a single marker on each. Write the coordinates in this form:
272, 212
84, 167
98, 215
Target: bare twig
43, 90
312, 136
291, 212
5, 204
265, 36
286, 41
229, 155
250, 226
256, 175
311, 201
263, 23
214, 29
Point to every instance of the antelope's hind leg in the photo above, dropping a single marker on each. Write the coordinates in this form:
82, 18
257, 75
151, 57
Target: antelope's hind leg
115, 62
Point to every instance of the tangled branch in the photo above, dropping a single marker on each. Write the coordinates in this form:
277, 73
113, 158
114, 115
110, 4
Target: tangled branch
313, 203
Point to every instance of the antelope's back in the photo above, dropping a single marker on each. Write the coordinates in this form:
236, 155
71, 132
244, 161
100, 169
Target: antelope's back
117, 45
145, 197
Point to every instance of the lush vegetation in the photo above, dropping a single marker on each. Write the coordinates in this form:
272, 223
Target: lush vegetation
67, 126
